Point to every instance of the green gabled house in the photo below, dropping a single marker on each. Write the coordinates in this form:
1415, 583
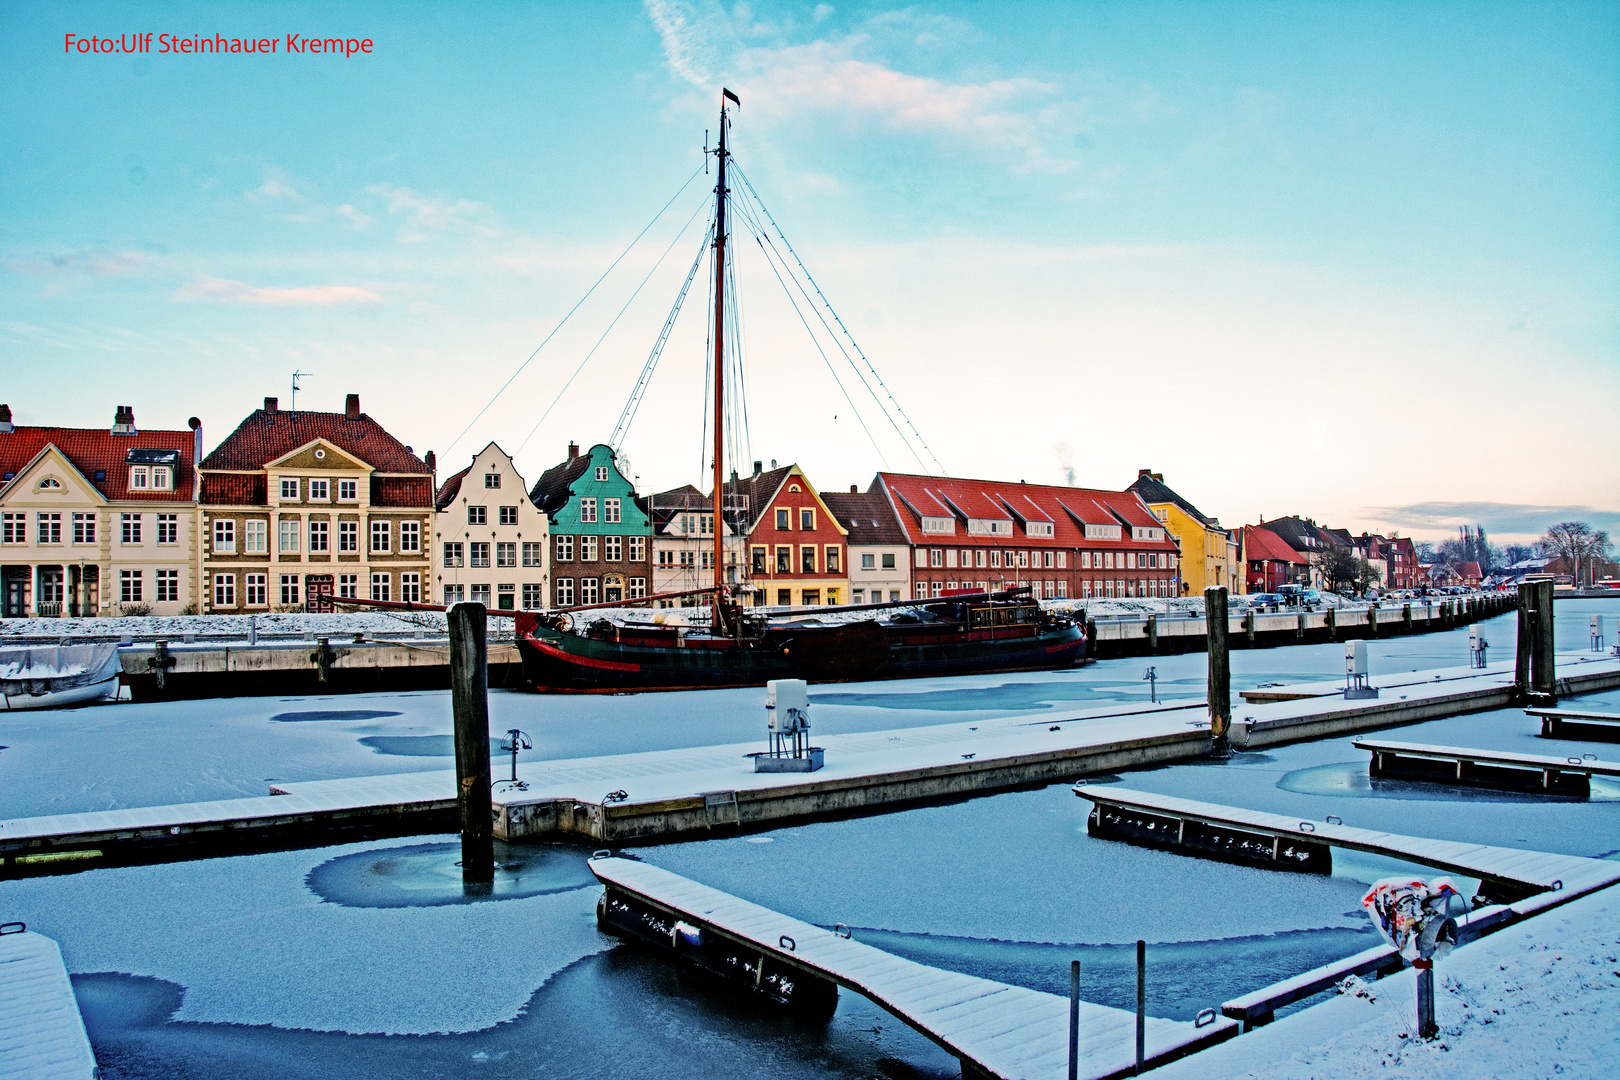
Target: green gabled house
601, 540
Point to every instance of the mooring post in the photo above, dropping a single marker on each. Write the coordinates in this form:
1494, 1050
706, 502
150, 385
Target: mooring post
1074, 1020
1521, 655
469, 700
1372, 620
1427, 1027
1153, 633
1543, 679
1333, 624
1220, 671
1141, 1000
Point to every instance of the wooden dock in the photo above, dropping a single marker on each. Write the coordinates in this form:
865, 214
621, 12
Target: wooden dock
1486, 768
1507, 874
42, 1035
1577, 725
995, 1030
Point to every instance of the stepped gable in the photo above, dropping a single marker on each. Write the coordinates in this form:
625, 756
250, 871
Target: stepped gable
867, 515
96, 450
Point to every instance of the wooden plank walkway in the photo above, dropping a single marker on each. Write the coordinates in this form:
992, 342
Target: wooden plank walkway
41, 1032
1576, 724
1533, 871
1002, 1031
1586, 766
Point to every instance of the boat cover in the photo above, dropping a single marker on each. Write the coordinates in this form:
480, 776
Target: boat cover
50, 669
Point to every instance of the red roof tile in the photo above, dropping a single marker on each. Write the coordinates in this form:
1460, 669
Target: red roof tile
234, 489
1263, 544
265, 436
450, 489
401, 491
1068, 509
93, 450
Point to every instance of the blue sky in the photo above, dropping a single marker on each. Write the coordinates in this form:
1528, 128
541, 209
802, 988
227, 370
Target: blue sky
1359, 262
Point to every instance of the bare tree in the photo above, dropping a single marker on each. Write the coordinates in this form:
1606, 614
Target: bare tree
1575, 542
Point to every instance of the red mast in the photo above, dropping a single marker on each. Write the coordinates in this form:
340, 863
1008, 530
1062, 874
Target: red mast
720, 193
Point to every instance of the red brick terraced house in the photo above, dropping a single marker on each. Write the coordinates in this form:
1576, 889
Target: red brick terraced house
1070, 542
1269, 561
798, 553
299, 507
97, 521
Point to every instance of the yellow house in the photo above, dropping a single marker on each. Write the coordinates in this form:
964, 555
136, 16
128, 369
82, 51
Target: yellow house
1209, 555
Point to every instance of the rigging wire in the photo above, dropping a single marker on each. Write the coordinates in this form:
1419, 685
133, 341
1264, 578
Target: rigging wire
608, 331
761, 203
573, 309
621, 430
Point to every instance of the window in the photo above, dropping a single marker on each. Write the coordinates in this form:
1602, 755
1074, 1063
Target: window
807, 560
160, 479
256, 537
757, 560
1023, 560
410, 588
509, 515
708, 560
506, 554
381, 586
225, 536
812, 597
492, 480
224, 590
782, 521
858, 596
638, 549
601, 474
256, 590
454, 594
638, 588
168, 528
565, 592
869, 562
348, 491
936, 557
137, 478
289, 488
807, 520
348, 536
379, 536
129, 586
784, 597
452, 554
1062, 561
610, 511
1063, 588
84, 528
784, 560
613, 548
922, 590
131, 527
688, 559
587, 513
589, 590
478, 554
287, 535
320, 490
832, 560
477, 515
505, 597
534, 596
666, 559
289, 590
534, 553
888, 563
50, 529
565, 549
995, 559
318, 536
349, 586
410, 536
587, 553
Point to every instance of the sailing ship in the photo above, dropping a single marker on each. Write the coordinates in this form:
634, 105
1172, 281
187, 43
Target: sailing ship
964, 633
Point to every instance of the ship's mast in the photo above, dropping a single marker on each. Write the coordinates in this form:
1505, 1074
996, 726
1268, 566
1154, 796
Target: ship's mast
720, 193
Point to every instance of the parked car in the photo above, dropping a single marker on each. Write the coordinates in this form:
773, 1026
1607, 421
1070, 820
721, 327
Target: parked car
1264, 600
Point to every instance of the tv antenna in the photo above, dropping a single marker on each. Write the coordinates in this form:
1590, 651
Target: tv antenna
293, 400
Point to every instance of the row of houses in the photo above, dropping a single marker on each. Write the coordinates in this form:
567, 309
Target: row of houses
295, 509
1295, 550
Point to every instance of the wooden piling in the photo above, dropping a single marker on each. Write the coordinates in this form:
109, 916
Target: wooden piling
1525, 646
1141, 996
469, 699
1153, 633
1074, 1020
1220, 670
1543, 678
1333, 624
1372, 620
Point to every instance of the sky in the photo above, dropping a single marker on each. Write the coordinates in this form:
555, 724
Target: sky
1358, 262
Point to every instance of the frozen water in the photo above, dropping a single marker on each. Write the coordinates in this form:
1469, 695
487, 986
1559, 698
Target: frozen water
424, 875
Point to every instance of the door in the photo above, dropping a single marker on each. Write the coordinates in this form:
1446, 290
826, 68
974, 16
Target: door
318, 593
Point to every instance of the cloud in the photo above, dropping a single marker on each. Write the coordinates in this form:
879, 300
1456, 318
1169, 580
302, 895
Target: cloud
424, 216
1521, 519
276, 187
689, 33
223, 291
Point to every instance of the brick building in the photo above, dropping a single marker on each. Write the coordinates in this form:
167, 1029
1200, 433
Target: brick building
797, 550
299, 507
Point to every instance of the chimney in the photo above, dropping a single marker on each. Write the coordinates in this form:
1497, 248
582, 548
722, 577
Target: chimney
756, 468
269, 404
852, 489
196, 458
5, 420
124, 420
573, 451
1159, 476
773, 463
351, 407
1144, 473
431, 461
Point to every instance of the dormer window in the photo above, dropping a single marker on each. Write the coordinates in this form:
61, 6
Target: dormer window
160, 479
138, 478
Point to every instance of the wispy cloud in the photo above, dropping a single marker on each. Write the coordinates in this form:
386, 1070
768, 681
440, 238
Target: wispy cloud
1508, 518
224, 291
422, 216
279, 196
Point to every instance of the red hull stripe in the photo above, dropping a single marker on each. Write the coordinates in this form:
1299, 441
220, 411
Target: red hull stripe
1065, 646
583, 661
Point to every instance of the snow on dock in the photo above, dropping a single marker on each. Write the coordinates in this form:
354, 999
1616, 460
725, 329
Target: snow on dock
1526, 872
41, 1032
1569, 664
996, 1030
1485, 768
1575, 724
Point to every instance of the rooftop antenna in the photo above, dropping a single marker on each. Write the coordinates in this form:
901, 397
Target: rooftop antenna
293, 400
